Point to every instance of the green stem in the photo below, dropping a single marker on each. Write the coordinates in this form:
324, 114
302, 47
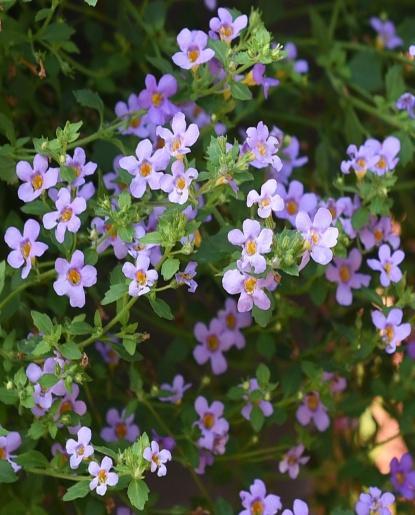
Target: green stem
59, 475
39, 279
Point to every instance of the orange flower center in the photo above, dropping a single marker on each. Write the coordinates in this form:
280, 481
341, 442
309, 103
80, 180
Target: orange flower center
121, 430
25, 249
102, 476
73, 276
262, 149
257, 507
141, 277
314, 237
344, 274
193, 54
157, 99
249, 285
250, 247
135, 122
145, 169
378, 234
225, 31
361, 163
231, 321
176, 144
265, 202
2, 453
292, 207
66, 214
212, 342
209, 420
388, 332
37, 181
66, 407
181, 183
111, 230
312, 401
382, 163
155, 458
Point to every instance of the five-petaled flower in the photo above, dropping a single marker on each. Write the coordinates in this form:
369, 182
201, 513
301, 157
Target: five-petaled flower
225, 27
177, 184
157, 458
80, 449
103, 475
65, 217
390, 328
35, 179
213, 341
257, 502
313, 410
120, 427
268, 200
142, 279
178, 140
193, 51
387, 265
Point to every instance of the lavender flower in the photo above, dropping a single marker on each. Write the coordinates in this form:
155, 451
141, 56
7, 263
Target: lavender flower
264, 405
390, 328
337, 383
177, 143
256, 77
177, 390
300, 65
214, 340
120, 427
344, 273
167, 442
142, 278
108, 354
406, 102
71, 404
186, 277
103, 227
257, 502
386, 153
289, 154
318, 235
64, 218
361, 160
138, 125
145, 167
156, 96
295, 200
25, 248
234, 321
411, 51
374, 501
378, 231
403, 476
8, 444
292, 460
177, 184
73, 277
387, 265
80, 166
36, 179
193, 49
313, 410
80, 449
211, 422
225, 27
268, 201
299, 508
157, 458
386, 37
103, 477
263, 146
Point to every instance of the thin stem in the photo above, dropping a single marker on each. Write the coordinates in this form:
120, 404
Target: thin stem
39, 279
59, 475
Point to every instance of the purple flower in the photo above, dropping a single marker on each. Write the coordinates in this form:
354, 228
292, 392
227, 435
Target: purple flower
211, 422
25, 248
214, 340
387, 265
390, 328
155, 98
186, 277
234, 321
386, 153
295, 200
268, 201
65, 217
411, 51
103, 477
192, 44
157, 458
137, 124
300, 65
80, 166
225, 27
210, 4
167, 442
71, 404
386, 37
36, 179
289, 153
107, 351
177, 143
120, 427
8, 444
254, 242
177, 389
406, 102
137, 248
337, 383
79, 449
264, 405
378, 231
344, 272
251, 289
73, 277
361, 160
146, 168
257, 77
403, 476
313, 410
263, 146
103, 227
206, 458
142, 278
177, 184
292, 460
257, 502
318, 235
299, 508
374, 501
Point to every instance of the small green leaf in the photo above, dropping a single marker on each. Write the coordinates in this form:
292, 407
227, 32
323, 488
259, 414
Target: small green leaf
92, 3
7, 128
161, 308
152, 237
138, 493
263, 374
169, 268
7, 474
262, 317
240, 91
41, 348
88, 98
42, 322
360, 218
221, 50
115, 292
257, 418
70, 350
78, 490
32, 459
48, 380
130, 344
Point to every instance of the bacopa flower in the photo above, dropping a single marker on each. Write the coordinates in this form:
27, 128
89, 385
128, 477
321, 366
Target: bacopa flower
211, 421
337, 383
268, 200
300, 65
299, 508
71, 404
177, 184
142, 278
103, 475
111, 239
137, 123
292, 460
264, 405
361, 160
81, 167
386, 33
186, 277
254, 241
403, 476
178, 141
234, 321
8, 444
390, 328
214, 340
35, 179
374, 501
313, 410
177, 390
411, 51
387, 265
257, 77
344, 272
107, 352
73, 277
120, 427
406, 102
318, 235
263, 146
225, 27
386, 153
25, 248
289, 153
65, 217
167, 442
145, 167
192, 44
257, 502
157, 458
379, 231
155, 98
295, 200
80, 449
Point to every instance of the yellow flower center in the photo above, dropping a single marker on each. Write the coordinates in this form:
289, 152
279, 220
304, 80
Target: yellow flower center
73, 276
292, 207
387, 267
145, 169
226, 31
250, 247
181, 183
249, 79
388, 332
25, 249
361, 163
102, 476
249, 285
193, 54
156, 459
315, 237
262, 149
257, 507
378, 235
141, 277
37, 181
344, 274
66, 214
176, 144
382, 163
80, 450
212, 342
265, 202
157, 99
135, 122
231, 321
111, 230
208, 420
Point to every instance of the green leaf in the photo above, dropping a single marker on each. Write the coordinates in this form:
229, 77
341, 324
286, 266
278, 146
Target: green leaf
130, 344
57, 32
48, 380
360, 218
92, 3
310, 369
263, 374
152, 237
169, 268
36, 208
2, 274
80, 328
7, 128
257, 418
70, 350
9, 397
240, 91
88, 98
261, 317
41, 348
78, 490
115, 292
32, 459
124, 200
161, 308
394, 83
222, 507
42, 322
106, 451
366, 68
7, 474
138, 493
266, 345
221, 50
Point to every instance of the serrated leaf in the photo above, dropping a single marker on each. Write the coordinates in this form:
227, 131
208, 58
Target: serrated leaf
115, 292
169, 268
161, 308
42, 322
88, 98
240, 91
32, 459
76, 491
138, 493
7, 474
70, 350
